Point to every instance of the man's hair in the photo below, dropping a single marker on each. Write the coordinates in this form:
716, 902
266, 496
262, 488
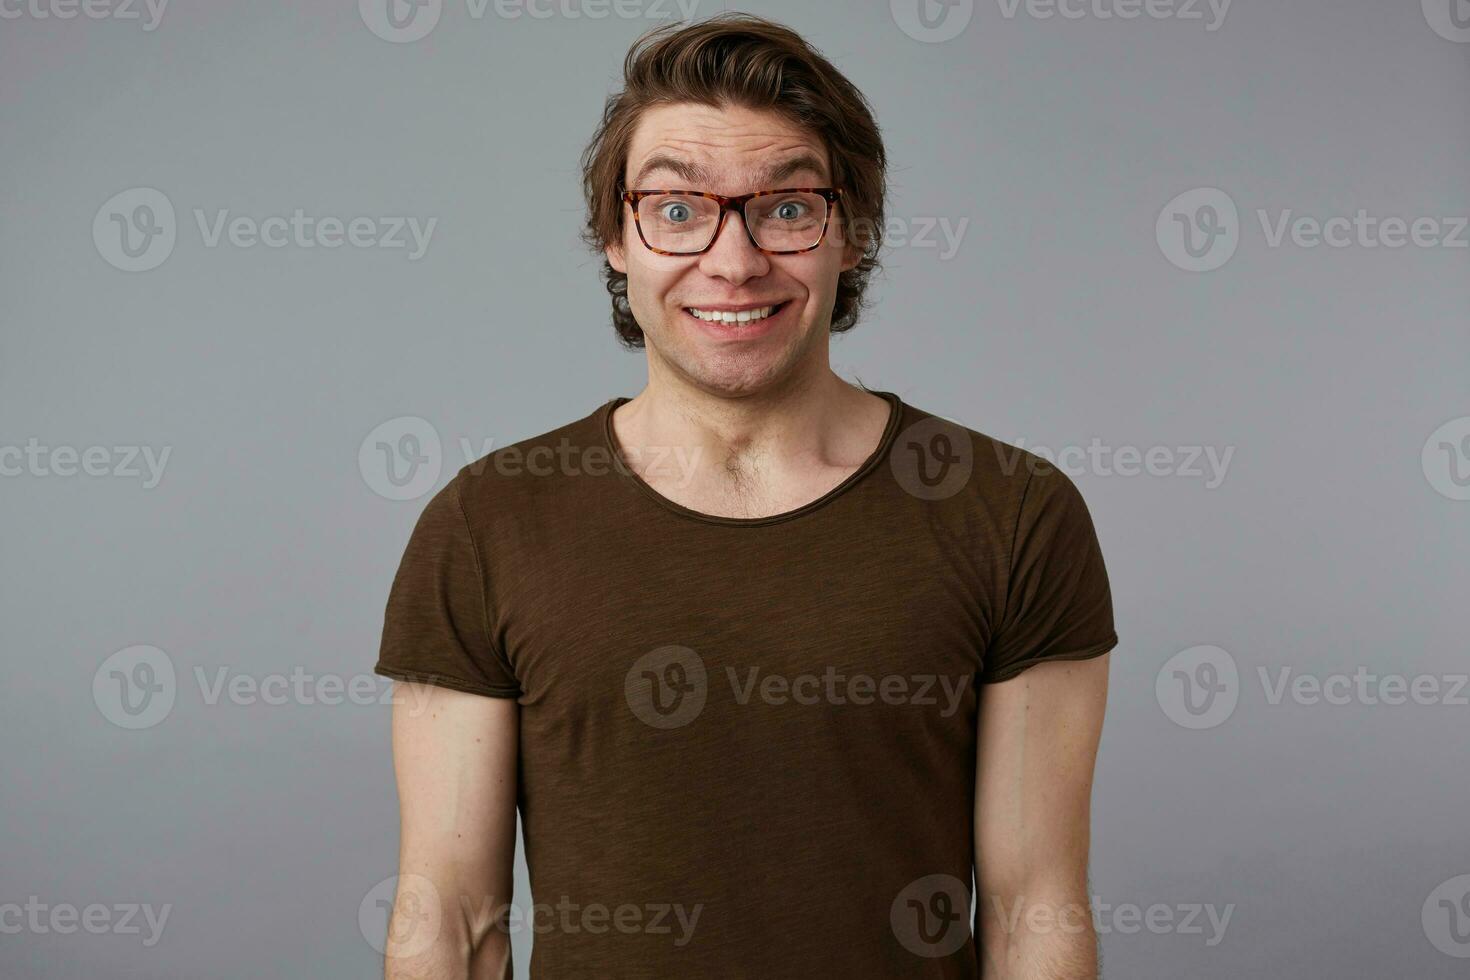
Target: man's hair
740, 60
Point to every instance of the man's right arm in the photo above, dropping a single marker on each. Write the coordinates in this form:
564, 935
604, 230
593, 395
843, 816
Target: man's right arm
455, 759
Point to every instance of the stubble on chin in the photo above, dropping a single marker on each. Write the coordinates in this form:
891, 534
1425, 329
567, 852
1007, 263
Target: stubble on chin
734, 372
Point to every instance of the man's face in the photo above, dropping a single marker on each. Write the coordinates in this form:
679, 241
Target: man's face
730, 151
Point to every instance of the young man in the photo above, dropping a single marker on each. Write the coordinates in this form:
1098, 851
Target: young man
771, 664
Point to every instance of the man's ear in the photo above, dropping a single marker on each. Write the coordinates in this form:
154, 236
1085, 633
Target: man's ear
852, 250
615, 257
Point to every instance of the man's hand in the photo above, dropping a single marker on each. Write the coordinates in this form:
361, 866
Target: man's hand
1038, 737
455, 758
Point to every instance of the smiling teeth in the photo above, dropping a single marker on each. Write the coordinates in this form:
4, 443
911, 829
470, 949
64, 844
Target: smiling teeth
744, 316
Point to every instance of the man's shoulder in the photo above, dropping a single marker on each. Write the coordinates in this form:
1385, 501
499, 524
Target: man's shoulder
538, 468
990, 465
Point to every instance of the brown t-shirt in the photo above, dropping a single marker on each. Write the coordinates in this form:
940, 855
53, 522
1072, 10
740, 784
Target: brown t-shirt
747, 746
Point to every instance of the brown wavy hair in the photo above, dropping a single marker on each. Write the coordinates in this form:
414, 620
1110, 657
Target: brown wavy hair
747, 61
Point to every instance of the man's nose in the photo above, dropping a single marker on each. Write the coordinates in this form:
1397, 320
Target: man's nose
732, 257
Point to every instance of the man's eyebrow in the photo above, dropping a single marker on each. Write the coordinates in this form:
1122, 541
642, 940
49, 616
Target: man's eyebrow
691, 173
774, 176
697, 177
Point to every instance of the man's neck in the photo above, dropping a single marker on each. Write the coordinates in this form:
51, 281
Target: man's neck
754, 455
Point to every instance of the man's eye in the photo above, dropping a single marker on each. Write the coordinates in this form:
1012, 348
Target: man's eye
789, 210
676, 212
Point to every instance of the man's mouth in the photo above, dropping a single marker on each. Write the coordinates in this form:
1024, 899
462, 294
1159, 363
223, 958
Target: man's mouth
735, 317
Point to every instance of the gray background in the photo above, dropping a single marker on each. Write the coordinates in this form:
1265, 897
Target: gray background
266, 548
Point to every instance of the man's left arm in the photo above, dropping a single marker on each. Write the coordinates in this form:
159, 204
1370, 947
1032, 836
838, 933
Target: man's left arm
1038, 735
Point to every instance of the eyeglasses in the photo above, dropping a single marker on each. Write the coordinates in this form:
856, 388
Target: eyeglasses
779, 222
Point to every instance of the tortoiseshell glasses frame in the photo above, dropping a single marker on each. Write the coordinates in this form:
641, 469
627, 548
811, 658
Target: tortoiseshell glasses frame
831, 195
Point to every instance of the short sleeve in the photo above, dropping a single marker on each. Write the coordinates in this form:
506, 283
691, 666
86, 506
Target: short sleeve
1058, 605
436, 626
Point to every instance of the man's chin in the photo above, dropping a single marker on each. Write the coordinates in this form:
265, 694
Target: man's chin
732, 372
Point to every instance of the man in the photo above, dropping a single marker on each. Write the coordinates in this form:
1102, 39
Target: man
771, 664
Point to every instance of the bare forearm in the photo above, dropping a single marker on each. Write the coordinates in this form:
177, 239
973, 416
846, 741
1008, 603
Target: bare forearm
434, 935
1038, 739
455, 756
447, 960
1024, 938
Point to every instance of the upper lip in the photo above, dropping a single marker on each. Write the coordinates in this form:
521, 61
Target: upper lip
732, 307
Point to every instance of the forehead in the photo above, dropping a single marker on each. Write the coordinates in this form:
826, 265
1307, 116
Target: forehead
725, 150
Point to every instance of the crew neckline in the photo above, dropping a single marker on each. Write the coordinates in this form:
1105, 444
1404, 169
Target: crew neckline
885, 441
